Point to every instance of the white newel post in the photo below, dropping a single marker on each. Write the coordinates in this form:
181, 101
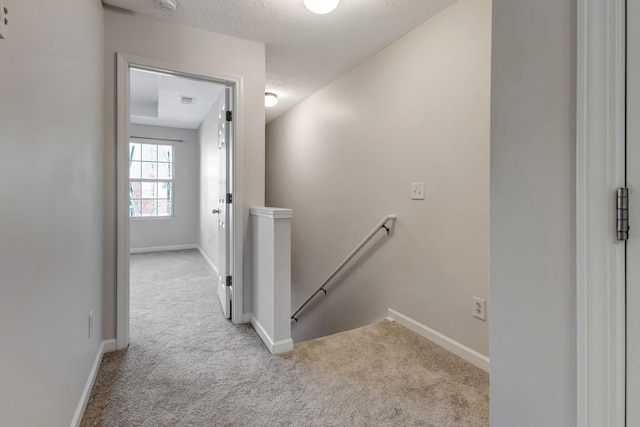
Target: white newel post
271, 317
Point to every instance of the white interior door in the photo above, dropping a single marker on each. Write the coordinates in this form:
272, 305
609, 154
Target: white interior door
224, 206
633, 244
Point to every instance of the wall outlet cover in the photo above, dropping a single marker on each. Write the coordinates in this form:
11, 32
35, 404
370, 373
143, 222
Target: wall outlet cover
90, 323
417, 191
4, 20
479, 308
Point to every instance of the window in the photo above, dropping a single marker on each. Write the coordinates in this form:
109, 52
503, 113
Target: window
151, 180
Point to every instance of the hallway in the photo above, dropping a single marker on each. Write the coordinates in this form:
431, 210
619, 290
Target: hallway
188, 366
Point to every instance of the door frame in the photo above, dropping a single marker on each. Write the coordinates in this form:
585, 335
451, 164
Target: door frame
600, 259
123, 64
633, 183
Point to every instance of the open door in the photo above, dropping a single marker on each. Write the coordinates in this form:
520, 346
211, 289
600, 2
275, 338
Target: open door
225, 204
633, 244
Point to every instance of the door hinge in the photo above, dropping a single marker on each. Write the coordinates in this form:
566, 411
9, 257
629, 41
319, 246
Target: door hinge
229, 198
622, 225
229, 281
229, 116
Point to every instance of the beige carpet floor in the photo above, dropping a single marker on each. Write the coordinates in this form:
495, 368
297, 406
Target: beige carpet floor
187, 366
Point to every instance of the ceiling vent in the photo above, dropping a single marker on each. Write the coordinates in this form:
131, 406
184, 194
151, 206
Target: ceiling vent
168, 5
187, 100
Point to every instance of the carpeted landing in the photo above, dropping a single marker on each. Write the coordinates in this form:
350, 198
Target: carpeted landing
187, 366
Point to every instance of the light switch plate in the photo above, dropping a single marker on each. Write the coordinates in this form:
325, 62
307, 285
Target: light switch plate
4, 28
417, 191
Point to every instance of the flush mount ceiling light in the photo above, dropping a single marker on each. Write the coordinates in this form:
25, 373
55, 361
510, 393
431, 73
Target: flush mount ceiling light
168, 5
270, 99
321, 6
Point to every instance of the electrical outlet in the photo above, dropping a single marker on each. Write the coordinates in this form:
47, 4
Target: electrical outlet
4, 20
417, 191
479, 308
90, 323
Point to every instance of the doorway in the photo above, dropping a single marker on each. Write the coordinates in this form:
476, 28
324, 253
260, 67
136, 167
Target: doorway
151, 193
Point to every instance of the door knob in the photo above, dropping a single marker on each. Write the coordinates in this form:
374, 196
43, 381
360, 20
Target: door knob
215, 211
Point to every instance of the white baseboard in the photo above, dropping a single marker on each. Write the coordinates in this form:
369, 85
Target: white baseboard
162, 248
105, 347
277, 347
282, 346
209, 262
108, 346
468, 354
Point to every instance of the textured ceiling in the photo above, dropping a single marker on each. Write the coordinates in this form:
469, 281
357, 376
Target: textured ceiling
156, 99
304, 51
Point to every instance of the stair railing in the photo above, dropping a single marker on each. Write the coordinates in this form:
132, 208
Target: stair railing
381, 225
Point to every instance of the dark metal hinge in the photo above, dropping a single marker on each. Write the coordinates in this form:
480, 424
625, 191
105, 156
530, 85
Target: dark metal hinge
622, 214
229, 116
229, 281
229, 198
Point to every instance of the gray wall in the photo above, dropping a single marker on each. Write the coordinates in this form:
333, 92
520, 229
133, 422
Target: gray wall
533, 327
182, 228
345, 157
209, 187
196, 49
51, 73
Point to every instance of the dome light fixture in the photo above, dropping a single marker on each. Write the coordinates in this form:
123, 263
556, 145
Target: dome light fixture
270, 99
321, 6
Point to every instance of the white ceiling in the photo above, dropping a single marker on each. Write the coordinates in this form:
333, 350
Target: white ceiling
304, 51
156, 99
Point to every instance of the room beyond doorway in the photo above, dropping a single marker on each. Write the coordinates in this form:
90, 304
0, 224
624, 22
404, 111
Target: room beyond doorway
175, 173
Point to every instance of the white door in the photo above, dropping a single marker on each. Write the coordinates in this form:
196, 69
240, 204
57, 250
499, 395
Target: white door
225, 205
633, 244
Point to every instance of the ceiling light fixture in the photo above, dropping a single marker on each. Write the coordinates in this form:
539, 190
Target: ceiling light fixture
270, 99
321, 6
168, 5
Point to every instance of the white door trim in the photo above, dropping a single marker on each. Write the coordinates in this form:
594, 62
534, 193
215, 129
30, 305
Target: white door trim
600, 268
633, 183
124, 62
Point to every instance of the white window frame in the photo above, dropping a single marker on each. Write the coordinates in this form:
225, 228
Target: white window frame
156, 180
